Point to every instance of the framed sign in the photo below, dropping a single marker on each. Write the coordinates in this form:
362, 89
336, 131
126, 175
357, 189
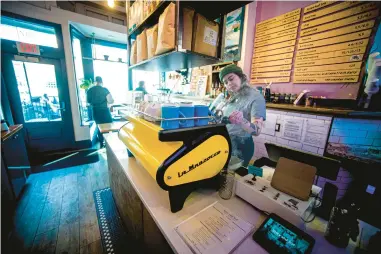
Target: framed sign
233, 35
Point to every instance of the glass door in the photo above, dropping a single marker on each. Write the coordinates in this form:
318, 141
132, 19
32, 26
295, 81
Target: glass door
39, 101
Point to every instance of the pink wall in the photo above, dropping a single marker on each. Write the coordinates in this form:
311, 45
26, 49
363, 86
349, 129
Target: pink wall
267, 10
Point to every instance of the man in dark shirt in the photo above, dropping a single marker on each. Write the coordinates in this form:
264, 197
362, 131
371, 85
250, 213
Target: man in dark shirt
98, 97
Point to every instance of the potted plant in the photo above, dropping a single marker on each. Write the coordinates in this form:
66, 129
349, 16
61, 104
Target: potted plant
85, 85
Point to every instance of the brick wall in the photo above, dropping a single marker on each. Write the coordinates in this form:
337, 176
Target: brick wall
310, 123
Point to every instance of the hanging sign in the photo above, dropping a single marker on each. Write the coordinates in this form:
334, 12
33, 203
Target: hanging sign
27, 48
272, 68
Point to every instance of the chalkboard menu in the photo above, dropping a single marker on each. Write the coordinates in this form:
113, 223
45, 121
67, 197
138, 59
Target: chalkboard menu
330, 40
274, 48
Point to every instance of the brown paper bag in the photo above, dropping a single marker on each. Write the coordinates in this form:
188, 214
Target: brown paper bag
151, 41
188, 27
205, 36
141, 46
133, 53
166, 30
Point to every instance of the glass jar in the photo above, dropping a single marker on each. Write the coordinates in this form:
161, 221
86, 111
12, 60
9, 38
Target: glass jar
227, 186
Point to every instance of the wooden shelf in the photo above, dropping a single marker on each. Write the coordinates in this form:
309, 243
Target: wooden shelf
175, 60
212, 10
325, 111
150, 20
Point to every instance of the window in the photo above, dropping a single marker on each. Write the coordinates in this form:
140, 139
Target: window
23, 31
151, 79
113, 72
79, 76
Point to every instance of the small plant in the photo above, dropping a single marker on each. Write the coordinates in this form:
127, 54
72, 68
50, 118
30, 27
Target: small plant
86, 84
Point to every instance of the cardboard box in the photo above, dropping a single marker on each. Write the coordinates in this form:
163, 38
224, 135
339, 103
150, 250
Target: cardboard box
133, 53
205, 36
151, 41
166, 30
141, 48
188, 15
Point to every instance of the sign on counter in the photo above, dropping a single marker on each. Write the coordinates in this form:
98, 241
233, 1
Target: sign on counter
214, 229
315, 133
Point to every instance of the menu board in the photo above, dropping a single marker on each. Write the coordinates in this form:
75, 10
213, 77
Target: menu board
332, 43
274, 47
325, 42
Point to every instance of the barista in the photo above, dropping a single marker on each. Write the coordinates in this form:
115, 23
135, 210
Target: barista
244, 109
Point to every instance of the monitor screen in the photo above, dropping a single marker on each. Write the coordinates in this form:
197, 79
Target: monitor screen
355, 139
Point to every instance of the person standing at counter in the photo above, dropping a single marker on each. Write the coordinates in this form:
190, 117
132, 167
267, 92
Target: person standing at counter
141, 87
244, 110
98, 97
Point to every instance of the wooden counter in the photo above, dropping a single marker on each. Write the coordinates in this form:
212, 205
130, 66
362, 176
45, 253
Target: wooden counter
145, 210
13, 129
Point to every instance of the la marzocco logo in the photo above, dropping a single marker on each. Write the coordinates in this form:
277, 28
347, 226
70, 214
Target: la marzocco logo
193, 166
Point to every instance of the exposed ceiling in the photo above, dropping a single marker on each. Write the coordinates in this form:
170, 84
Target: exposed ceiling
101, 33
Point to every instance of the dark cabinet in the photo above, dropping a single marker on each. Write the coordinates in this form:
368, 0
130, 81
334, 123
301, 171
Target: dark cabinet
15, 160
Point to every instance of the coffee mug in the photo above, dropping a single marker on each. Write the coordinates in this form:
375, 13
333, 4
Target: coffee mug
169, 112
186, 111
201, 111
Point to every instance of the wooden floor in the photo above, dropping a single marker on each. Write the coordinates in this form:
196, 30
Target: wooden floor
56, 213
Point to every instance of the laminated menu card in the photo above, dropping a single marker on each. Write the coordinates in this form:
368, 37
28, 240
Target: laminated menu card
214, 229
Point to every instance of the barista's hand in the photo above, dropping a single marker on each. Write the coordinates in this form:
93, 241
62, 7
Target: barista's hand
236, 117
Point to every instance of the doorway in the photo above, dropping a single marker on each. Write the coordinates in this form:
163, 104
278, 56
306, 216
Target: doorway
39, 101
36, 83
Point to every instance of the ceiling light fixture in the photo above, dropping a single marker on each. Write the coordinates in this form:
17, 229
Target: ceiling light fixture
111, 3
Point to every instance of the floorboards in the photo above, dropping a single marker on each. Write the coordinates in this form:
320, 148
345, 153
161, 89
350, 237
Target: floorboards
56, 212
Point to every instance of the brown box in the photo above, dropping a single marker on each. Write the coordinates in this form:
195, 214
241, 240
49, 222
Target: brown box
141, 46
166, 30
205, 36
151, 41
188, 15
294, 178
133, 53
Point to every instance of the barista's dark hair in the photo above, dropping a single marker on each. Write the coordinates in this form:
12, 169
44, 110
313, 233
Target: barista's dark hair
242, 76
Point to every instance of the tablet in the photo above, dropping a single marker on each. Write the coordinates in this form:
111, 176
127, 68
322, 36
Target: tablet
277, 235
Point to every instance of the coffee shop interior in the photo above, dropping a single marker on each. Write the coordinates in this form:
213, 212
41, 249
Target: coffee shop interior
190, 126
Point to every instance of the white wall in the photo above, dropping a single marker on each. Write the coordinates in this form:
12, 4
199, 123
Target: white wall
64, 18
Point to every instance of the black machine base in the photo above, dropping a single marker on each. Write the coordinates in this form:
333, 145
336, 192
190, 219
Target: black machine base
178, 194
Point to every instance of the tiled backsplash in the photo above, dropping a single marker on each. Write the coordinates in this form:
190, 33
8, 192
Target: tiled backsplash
313, 137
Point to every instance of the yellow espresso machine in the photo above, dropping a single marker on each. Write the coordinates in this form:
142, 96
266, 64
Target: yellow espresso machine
180, 160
